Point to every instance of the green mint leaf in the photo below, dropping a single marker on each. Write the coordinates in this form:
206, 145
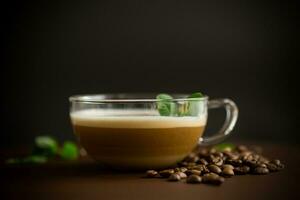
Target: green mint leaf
45, 145
35, 159
196, 95
194, 105
222, 146
69, 151
165, 105
13, 161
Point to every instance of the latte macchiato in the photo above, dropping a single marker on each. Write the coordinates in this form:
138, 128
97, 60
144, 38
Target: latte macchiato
136, 138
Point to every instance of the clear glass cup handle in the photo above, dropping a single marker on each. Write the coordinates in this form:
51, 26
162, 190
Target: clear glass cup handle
230, 121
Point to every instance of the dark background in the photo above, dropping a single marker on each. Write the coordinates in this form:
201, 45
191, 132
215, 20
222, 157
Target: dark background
54, 49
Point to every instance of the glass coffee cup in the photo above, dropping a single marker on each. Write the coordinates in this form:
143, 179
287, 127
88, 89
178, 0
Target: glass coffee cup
126, 131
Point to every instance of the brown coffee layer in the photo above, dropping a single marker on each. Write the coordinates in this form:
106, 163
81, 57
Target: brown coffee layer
140, 145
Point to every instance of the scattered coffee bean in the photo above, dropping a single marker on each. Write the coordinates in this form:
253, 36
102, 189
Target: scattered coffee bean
174, 177
272, 167
214, 169
182, 175
213, 165
166, 173
194, 179
193, 171
218, 154
242, 170
227, 166
261, 165
227, 172
276, 162
261, 170
213, 178
203, 161
183, 169
235, 163
151, 173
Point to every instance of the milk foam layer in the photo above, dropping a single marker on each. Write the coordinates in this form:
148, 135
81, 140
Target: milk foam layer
132, 119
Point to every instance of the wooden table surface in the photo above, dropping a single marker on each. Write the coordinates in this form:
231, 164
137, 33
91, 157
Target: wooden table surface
85, 180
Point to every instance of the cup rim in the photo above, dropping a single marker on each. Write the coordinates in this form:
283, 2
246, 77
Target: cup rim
102, 98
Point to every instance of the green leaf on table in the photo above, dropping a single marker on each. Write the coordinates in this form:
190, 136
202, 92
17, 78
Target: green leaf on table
165, 105
45, 145
69, 151
194, 104
223, 146
33, 159
13, 161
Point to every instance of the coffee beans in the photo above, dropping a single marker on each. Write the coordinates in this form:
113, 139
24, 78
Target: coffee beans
227, 172
214, 169
194, 179
210, 166
174, 177
261, 170
213, 178
166, 173
242, 170
151, 173
193, 171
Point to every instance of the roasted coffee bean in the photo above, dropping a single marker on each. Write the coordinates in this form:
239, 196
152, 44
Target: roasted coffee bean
174, 177
213, 178
200, 167
251, 163
227, 166
276, 162
183, 169
245, 153
218, 154
177, 169
280, 166
151, 174
194, 179
235, 163
166, 173
261, 170
203, 161
217, 161
193, 171
191, 158
214, 169
233, 156
261, 165
227, 172
272, 167
241, 170
242, 148
181, 174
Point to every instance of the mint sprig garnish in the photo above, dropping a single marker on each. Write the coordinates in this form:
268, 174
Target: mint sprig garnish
45, 148
194, 104
167, 107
